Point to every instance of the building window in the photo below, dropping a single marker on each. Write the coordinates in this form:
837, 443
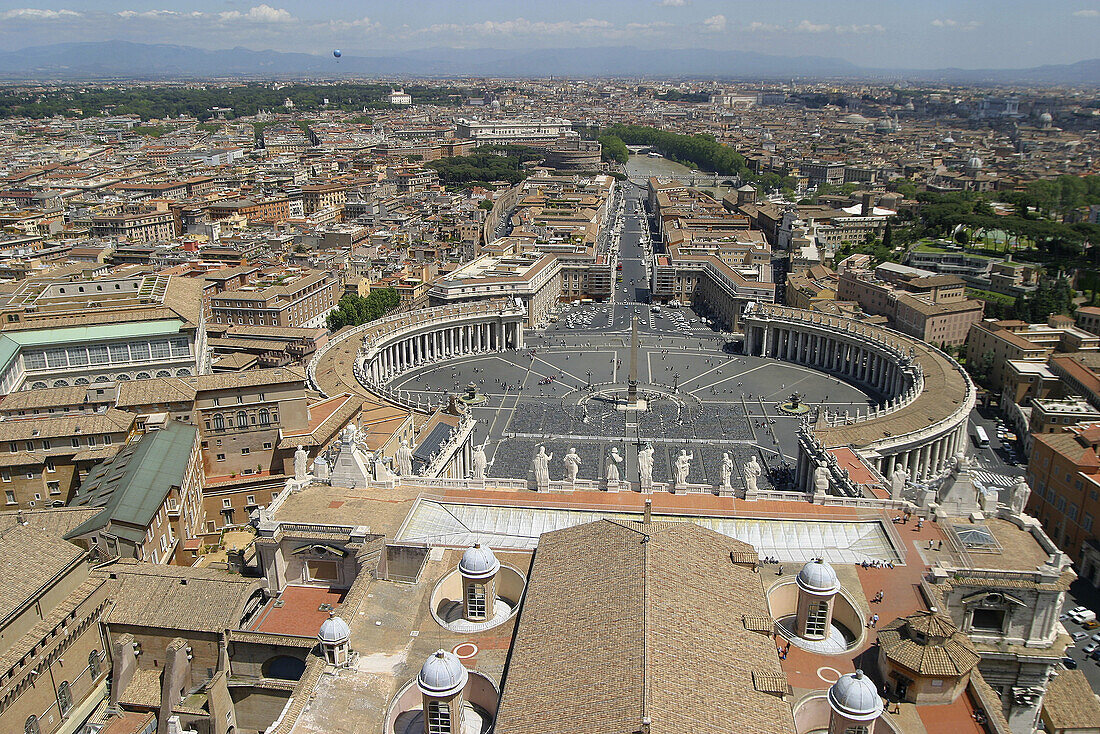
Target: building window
93, 664
988, 620
265, 417
10, 496
816, 615
1086, 522
54, 487
242, 419
221, 457
31, 727
50, 466
64, 697
219, 422
75, 442
227, 503
475, 600
245, 451
439, 717
6, 475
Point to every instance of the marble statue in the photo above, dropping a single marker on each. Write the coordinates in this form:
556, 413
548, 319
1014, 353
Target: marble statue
572, 465
1020, 495
348, 435
404, 458
645, 468
727, 470
479, 462
541, 463
821, 479
613, 461
683, 466
897, 482
301, 465
751, 470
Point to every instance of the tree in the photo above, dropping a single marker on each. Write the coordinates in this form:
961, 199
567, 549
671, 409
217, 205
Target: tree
613, 149
353, 310
888, 237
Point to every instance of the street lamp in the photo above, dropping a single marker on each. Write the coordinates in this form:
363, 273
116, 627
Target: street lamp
588, 374
675, 381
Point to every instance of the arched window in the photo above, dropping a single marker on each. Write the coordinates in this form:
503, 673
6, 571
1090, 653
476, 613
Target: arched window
242, 419
122, 377
38, 385
93, 664
80, 381
265, 417
103, 378
163, 373
219, 422
31, 727
64, 697
143, 375
60, 383
183, 372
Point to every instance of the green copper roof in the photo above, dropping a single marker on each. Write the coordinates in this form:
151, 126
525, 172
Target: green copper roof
132, 485
12, 341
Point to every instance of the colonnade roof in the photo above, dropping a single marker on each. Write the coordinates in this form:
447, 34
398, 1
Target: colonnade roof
945, 390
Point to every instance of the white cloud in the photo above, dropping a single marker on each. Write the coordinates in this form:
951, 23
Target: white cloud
672, 3
968, 25
715, 23
758, 27
808, 27
361, 24
259, 14
38, 14
520, 26
1087, 13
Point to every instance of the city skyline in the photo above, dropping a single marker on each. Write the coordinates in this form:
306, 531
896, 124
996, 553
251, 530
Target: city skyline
892, 36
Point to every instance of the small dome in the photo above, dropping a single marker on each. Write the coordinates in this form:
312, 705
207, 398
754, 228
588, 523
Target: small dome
442, 675
974, 162
818, 577
855, 697
1045, 117
478, 562
334, 630
949, 139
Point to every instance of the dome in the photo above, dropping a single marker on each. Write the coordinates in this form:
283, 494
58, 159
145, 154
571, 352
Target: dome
949, 139
442, 675
974, 162
818, 577
855, 697
1045, 117
478, 562
334, 630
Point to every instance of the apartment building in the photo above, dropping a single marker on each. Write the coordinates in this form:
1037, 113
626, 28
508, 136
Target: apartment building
1014, 340
142, 227
148, 497
286, 297
931, 307
53, 664
44, 459
1064, 474
316, 197
272, 210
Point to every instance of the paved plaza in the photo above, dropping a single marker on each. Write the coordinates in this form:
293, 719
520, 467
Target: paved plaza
561, 391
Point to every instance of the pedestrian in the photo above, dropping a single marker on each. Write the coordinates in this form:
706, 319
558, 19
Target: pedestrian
881, 596
920, 523
874, 621
940, 546
931, 543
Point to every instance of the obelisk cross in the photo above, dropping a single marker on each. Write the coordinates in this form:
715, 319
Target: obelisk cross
632, 381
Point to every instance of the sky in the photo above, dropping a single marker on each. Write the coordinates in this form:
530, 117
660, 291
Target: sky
880, 33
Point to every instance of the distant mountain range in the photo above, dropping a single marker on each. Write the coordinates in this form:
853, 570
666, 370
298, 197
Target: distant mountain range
119, 59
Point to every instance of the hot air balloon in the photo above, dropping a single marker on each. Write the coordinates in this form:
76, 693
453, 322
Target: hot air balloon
337, 53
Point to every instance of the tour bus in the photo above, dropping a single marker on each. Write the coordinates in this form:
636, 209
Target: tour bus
980, 437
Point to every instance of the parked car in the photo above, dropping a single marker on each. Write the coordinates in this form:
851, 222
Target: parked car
1069, 663
1078, 636
1082, 617
1091, 625
1090, 648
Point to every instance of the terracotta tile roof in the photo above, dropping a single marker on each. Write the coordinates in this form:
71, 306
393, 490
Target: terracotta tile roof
1070, 702
30, 558
175, 597
928, 643
653, 613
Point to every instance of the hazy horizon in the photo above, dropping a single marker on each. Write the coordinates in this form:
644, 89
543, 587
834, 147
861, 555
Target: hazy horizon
980, 34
